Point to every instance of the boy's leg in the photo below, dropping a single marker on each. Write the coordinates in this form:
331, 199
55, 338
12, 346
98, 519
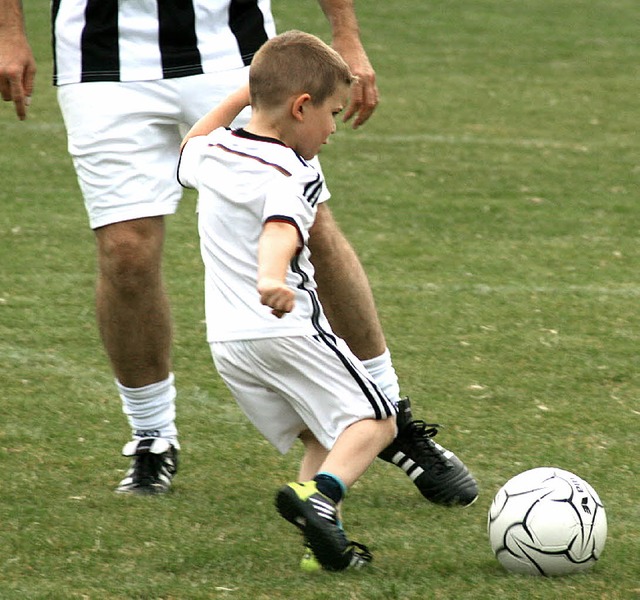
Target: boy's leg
357, 447
314, 455
344, 291
313, 506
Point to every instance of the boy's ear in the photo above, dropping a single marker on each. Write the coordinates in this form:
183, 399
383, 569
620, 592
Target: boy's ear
298, 106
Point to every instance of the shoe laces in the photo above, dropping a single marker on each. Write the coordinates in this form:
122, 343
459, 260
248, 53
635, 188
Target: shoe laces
360, 555
146, 467
420, 434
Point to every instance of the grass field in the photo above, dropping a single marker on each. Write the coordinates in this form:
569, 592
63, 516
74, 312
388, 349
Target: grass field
493, 199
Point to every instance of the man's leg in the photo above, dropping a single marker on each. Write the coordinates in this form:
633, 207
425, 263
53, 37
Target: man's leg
125, 154
132, 306
344, 289
135, 325
348, 302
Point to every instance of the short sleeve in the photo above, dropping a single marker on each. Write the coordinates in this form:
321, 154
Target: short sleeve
190, 159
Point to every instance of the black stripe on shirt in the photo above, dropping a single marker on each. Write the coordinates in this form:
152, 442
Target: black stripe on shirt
55, 7
252, 157
312, 190
99, 42
177, 38
247, 24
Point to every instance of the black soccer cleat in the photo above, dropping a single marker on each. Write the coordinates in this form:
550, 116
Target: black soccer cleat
317, 517
154, 463
440, 476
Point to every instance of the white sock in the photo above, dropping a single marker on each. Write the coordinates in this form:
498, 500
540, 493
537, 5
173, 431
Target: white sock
151, 410
381, 370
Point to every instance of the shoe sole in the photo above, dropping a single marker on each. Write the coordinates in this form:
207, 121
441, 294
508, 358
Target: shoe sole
467, 488
143, 491
321, 540
449, 501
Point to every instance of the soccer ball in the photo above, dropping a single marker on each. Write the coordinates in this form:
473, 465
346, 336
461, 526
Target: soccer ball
547, 521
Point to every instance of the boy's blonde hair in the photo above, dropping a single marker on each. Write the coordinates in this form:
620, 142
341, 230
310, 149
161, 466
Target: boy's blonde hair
292, 63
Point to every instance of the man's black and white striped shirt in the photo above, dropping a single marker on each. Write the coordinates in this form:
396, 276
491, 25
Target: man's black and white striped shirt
143, 40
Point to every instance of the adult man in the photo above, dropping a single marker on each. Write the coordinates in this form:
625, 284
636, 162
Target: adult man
131, 77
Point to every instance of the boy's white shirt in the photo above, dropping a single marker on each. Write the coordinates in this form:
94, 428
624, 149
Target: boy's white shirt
242, 183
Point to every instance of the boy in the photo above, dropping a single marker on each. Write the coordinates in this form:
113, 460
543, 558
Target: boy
269, 337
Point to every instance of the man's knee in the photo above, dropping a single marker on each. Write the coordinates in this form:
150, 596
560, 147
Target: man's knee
130, 252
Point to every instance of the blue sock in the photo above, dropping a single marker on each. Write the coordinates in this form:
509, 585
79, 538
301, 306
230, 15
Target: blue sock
331, 486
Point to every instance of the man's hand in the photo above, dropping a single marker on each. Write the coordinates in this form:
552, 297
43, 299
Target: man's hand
345, 39
17, 68
364, 91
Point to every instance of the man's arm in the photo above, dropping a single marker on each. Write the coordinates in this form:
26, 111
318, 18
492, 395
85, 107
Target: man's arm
345, 34
17, 65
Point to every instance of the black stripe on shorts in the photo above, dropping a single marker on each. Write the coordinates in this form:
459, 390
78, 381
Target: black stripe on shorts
382, 406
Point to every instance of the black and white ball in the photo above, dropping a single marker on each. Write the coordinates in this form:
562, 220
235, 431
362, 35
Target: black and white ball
547, 521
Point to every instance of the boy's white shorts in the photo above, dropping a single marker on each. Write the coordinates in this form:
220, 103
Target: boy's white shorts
124, 139
286, 385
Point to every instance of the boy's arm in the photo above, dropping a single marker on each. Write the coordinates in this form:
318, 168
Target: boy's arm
17, 65
345, 34
221, 115
278, 244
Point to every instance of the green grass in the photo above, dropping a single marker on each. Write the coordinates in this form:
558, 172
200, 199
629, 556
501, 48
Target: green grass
493, 200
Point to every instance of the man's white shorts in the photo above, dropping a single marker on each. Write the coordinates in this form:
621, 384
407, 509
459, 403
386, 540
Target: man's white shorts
124, 139
287, 385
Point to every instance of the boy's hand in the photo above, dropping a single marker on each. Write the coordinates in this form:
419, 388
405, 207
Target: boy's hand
277, 295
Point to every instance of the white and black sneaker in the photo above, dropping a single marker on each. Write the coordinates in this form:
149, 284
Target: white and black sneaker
440, 476
154, 463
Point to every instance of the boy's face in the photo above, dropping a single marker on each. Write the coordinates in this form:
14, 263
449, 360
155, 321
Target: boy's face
320, 122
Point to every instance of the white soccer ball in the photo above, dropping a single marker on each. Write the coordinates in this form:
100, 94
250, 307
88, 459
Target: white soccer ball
547, 521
